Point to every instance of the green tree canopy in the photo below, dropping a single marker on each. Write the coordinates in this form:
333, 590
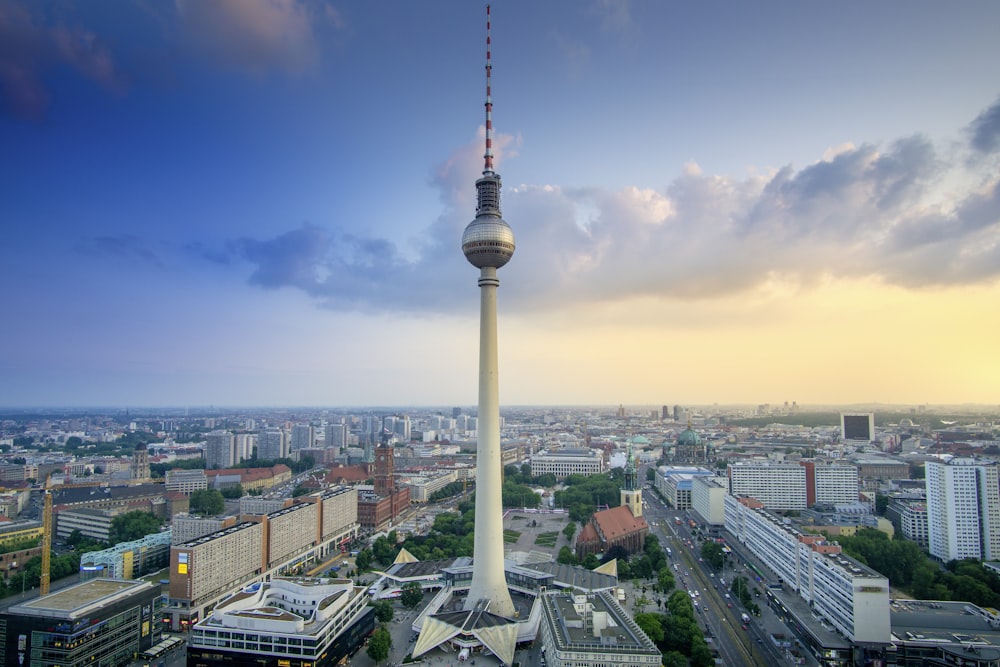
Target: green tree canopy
379, 645
713, 554
383, 610
412, 595
570, 530
363, 561
566, 556
207, 502
132, 526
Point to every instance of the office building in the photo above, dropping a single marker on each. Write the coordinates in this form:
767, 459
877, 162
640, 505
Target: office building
675, 484
579, 629
963, 509
859, 427
565, 462
708, 496
184, 481
129, 560
97, 622
909, 516
284, 622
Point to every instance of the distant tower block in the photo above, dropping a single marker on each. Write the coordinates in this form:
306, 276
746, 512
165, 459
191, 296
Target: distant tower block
488, 244
139, 465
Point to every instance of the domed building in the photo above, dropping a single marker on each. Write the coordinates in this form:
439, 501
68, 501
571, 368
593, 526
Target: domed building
689, 447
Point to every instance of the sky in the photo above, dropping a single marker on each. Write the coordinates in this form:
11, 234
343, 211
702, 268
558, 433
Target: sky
261, 202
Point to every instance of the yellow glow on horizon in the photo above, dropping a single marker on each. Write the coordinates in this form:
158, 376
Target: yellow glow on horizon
839, 342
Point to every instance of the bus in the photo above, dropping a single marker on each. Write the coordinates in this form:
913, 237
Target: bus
159, 650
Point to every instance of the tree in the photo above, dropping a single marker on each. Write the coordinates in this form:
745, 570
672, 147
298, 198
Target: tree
207, 502
650, 474
650, 624
383, 610
233, 492
412, 595
379, 644
132, 526
674, 659
364, 559
566, 556
665, 580
384, 548
713, 554
570, 530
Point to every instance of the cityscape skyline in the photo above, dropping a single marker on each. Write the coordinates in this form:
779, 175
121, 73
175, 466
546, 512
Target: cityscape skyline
261, 203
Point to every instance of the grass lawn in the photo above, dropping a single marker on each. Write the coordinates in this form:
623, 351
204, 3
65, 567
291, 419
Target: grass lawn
547, 539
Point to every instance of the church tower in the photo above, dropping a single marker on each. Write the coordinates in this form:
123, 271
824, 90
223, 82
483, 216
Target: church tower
631, 495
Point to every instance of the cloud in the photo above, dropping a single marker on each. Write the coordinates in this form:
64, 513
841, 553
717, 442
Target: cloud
985, 130
903, 213
120, 247
30, 48
257, 36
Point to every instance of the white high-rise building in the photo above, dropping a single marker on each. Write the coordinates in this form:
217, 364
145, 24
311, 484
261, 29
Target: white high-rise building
834, 483
963, 509
244, 446
220, 450
780, 486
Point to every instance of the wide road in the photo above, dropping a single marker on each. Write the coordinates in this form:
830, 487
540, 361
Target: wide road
735, 645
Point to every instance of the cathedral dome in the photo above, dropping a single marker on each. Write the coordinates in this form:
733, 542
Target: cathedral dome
688, 438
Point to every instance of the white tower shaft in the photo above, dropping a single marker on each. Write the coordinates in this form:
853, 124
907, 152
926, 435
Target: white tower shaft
488, 579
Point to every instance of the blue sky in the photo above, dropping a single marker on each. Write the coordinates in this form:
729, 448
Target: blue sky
239, 202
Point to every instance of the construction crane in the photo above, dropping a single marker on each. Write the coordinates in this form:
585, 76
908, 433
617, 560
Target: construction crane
43, 586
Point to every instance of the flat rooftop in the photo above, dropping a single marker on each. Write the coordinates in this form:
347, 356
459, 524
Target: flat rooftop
940, 622
80, 599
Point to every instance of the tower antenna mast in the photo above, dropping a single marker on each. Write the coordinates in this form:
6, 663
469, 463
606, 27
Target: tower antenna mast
488, 156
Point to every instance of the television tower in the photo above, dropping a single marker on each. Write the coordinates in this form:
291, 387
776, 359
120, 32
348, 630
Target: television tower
488, 244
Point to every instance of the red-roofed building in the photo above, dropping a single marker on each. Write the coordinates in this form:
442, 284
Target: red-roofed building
249, 478
615, 527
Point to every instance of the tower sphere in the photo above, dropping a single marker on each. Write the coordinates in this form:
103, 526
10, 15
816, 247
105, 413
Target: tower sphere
488, 241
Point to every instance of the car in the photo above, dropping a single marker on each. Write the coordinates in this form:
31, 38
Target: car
729, 605
744, 626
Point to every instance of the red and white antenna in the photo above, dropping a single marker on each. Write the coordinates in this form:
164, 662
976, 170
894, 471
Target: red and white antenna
489, 102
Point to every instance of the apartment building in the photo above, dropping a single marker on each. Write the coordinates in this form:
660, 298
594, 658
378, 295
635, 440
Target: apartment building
850, 596
963, 509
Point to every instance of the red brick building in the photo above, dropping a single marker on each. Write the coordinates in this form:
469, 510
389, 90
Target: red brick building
615, 527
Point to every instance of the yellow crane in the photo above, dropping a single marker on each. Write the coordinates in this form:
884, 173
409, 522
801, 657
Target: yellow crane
43, 586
